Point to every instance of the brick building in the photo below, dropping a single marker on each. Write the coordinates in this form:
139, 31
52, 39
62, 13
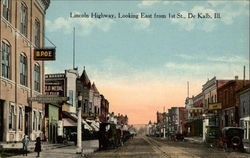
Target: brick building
122, 119
244, 110
159, 117
230, 101
22, 30
104, 109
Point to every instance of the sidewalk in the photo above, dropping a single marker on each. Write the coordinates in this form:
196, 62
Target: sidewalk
66, 151
200, 141
194, 139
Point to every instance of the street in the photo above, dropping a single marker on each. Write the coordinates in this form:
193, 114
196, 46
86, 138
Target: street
142, 147
146, 147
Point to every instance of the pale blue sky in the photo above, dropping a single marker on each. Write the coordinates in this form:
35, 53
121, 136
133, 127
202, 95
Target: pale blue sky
144, 45
163, 50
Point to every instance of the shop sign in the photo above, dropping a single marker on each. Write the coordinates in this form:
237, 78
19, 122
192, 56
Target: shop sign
45, 54
215, 106
89, 115
48, 99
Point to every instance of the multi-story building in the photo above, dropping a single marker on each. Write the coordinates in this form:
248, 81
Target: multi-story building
104, 109
96, 102
159, 117
122, 119
91, 97
195, 113
176, 119
22, 30
60, 85
211, 105
244, 110
230, 102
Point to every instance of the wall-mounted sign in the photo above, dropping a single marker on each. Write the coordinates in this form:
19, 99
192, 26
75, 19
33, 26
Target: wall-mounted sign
48, 99
45, 54
215, 106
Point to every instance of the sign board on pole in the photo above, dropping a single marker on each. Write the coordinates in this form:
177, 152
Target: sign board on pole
45, 54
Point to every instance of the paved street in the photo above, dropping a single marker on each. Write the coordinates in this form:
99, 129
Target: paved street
144, 147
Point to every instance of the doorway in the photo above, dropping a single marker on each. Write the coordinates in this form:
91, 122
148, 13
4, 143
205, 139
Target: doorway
27, 121
1, 119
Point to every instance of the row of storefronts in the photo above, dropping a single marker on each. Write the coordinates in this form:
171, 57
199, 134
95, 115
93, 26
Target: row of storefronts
221, 103
32, 103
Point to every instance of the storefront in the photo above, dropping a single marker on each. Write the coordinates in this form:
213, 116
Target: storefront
51, 122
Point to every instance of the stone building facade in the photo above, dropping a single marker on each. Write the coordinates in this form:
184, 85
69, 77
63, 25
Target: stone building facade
22, 30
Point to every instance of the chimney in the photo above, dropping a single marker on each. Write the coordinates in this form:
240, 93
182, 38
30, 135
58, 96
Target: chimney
236, 78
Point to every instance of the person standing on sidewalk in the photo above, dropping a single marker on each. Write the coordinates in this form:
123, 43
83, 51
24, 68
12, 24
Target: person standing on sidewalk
38, 147
25, 142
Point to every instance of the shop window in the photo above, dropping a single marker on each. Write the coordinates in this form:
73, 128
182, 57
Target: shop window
37, 77
23, 69
6, 9
24, 19
5, 60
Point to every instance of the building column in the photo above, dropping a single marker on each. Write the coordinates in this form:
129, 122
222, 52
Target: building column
248, 129
164, 131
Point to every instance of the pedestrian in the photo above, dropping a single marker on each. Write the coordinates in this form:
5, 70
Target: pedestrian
25, 142
38, 146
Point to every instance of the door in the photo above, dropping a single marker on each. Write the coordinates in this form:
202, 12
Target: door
27, 121
1, 119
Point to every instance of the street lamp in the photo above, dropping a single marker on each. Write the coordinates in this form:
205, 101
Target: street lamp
79, 126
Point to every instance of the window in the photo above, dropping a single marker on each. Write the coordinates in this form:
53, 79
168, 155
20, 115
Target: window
244, 111
23, 69
37, 33
39, 121
6, 9
226, 97
20, 119
5, 60
70, 95
37, 77
34, 121
23, 20
12, 117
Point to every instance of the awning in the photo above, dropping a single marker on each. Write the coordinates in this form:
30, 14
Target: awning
95, 125
67, 122
86, 126
71, 120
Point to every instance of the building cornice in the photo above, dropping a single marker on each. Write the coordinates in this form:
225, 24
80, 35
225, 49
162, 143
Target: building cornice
43, 4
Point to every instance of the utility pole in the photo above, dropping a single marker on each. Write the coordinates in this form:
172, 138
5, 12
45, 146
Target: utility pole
79, 126
74, 49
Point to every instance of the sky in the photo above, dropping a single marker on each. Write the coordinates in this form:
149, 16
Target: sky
142, 65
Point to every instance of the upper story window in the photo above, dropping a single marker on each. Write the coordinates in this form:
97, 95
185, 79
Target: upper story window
37, 33
5, 60
23, 69
24, 19
37, 77
6, 9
